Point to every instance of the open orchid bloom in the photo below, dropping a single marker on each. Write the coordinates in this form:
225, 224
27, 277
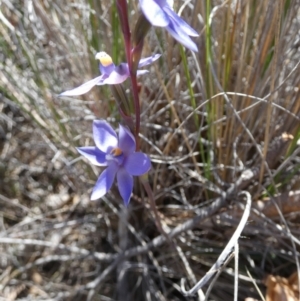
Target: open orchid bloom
160, 13
118, 155
110, 74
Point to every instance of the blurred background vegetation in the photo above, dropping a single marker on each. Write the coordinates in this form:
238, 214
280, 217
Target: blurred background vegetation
216, 122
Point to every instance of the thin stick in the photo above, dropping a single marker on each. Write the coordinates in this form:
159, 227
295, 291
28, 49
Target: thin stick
236, 271
217, 276
94, 285
226, 252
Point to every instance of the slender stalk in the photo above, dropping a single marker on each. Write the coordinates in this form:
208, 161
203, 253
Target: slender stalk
268, 129
209, 83
123, 14
137, 109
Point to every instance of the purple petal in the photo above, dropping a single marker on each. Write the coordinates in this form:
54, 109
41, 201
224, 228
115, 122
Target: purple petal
106, 64
125, 184
154, 13
118, 76
137, 164
126, 140
186, 28
181, 37
148, 60
161, 3
84, 88
106, 70
104, 136
93, 154
170, 2
104, 182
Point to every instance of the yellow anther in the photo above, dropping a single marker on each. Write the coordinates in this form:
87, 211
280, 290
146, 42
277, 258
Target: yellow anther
116, 152
104, 58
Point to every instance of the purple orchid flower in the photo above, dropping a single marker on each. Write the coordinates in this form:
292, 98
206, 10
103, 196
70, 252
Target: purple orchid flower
118, 155
110, 74
160, 13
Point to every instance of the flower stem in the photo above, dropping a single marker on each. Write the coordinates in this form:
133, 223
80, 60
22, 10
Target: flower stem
137, 109
123, 14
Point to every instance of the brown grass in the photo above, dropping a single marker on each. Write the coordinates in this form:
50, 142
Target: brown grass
241, 135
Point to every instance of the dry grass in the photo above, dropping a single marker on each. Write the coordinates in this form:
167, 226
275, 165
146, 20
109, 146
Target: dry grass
206, 146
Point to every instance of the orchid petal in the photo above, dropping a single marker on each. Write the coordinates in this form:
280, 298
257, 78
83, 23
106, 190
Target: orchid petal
104, 136
122, 69
104, 182
93, 154
154, 13
107, 70
126, 140
115, 78
84, 88
148, 60
170, 3
137, 164
125, 185
118, 76
184, 27
161, 3
181, 37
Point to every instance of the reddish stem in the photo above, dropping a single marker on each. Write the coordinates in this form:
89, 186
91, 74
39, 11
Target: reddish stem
123, 15
137, 109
